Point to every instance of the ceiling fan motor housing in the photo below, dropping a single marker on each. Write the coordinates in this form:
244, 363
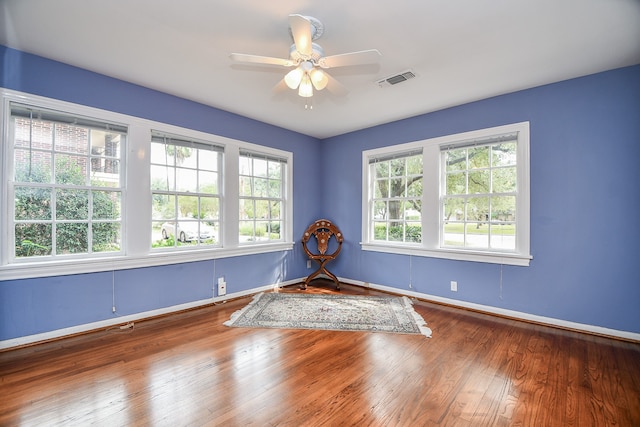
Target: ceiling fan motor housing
316, 53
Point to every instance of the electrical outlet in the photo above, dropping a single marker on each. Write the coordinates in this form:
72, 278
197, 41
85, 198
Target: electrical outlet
222, 286
113, 309
308, 263
454, 286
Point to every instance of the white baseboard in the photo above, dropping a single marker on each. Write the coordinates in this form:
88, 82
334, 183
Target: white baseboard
518, 315
121, 320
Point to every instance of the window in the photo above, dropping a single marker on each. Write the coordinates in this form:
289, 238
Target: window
479, 194
66, 184
85, 190
396, 204
463, 196
185, 187
262, 197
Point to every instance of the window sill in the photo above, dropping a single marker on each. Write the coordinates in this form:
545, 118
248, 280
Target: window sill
80, 266
452, 254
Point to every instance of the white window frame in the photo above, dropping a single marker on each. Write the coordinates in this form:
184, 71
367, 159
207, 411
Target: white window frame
431, 199
261, 155
61, 118
136, 198
181, 140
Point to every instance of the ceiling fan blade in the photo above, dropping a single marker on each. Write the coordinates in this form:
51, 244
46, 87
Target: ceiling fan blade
301, 32
335, 87
370, 56
256, 59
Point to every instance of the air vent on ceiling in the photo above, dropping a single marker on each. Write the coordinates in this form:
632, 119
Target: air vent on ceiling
396, 78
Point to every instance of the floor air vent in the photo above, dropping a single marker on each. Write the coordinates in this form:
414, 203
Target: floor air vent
396, 78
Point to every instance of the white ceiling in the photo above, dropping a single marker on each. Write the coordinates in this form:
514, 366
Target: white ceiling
461, 50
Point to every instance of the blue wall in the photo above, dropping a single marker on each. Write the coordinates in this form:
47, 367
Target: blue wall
33, 306
585, 142
585, 198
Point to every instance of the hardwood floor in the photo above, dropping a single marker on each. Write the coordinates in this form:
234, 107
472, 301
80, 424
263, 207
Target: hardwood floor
189, 369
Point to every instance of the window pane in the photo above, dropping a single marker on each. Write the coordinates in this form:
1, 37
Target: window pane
453, 233
208, 182
245, 166
503, 236
478, 209
260, 167
503, 154
274, 230
380, 210
381, 188
32, 203
106, 204
381, 169
71, 170
456, 160
105, 173
188, 207
72, 204
208, 160
164, 206
275, 189
396, 187
478, 157
33, 239
71, 139
260, 187
379, 231
162, 178
209, 208
36, 134
262, 209
187, 180
72, 238
395, 211
246, 209
453, 209
503, 208
478, 181
34, 166
246, 231
245, 186
275, 170
275, 210
414, 165
106, 237
477, 235
503, 180
456, 183
162, 154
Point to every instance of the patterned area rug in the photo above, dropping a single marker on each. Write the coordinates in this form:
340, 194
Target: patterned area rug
331, 312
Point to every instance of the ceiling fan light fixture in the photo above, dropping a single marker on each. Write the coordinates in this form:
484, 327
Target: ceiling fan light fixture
306, 88
294, 77
318, 78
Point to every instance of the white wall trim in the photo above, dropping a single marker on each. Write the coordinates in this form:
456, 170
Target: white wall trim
517, 315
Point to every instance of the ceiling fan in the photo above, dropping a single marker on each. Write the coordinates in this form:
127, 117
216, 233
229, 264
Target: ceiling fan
308, 58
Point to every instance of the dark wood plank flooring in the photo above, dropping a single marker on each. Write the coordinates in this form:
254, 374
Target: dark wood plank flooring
187, 369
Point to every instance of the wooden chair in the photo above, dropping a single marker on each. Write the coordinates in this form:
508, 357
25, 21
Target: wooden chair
323, 230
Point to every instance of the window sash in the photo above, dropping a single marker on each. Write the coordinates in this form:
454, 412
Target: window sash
255, 229
170, 230
63, 197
